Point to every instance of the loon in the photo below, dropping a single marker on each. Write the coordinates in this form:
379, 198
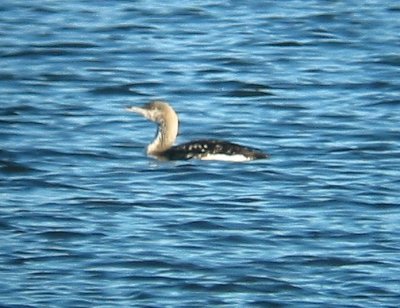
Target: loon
162, 146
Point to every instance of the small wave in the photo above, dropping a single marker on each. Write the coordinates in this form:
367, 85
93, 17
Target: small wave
125, 89
11, 167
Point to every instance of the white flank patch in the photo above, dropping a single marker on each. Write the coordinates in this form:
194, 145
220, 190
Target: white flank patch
224, 157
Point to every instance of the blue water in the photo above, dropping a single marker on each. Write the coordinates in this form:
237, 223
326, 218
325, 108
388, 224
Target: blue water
87, 220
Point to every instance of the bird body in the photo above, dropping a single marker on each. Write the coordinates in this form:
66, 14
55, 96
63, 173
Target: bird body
162, 146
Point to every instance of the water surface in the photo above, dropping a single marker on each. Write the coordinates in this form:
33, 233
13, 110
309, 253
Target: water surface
88, 220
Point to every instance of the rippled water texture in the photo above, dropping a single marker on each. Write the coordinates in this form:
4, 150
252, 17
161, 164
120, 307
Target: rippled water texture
86, 219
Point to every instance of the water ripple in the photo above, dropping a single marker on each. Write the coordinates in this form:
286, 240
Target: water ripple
88, 219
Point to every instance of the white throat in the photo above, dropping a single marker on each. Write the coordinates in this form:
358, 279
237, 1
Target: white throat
166, 132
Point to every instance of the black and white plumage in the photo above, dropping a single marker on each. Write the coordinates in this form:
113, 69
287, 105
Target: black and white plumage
162, 146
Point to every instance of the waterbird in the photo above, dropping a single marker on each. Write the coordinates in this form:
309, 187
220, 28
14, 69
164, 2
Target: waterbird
162, 147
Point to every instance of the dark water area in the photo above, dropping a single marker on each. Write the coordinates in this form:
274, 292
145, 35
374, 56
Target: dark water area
87, 219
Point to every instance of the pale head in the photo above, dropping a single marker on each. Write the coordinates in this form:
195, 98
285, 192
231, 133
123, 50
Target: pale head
164, 115
156, 111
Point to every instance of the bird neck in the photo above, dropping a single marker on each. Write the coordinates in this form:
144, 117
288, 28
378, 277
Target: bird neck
166, 134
